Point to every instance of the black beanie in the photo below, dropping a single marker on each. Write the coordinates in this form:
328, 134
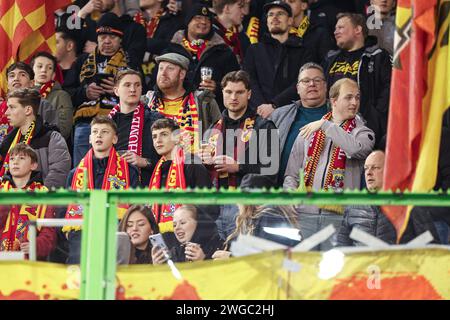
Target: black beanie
199, 9
110, 23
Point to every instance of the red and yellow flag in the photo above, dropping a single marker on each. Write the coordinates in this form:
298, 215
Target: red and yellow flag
420, 94
25, 28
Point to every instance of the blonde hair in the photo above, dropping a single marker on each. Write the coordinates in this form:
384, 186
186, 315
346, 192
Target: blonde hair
249, 213
336, 87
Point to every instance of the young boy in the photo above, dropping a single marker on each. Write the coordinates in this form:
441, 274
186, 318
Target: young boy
166, 139
105, 170
44, 68
50, 146
14, 221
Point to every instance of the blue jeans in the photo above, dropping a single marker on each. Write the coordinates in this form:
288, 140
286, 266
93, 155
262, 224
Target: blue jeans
226, 222
81, 144
74, 240
311, 223
442, 229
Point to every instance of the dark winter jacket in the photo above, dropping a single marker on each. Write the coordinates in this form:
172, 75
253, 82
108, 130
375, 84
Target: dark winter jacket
46, 237
51, 148
366, 218
273, 69
123, 122
195, 173
374, 80
168, 25
267, 166
318, 40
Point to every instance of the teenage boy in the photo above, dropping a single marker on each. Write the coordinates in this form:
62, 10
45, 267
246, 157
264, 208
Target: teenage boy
50, 146
174, 170
134, 121
44, 68
104, 169
14, 222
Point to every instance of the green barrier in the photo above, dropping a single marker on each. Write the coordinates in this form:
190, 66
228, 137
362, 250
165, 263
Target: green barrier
98, 259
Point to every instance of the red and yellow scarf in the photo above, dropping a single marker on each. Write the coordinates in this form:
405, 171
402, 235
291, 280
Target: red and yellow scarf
196, 49
175, 180
16, 227
116, 177
46, 88
151, 25
231, 38
216, 141
301, 29
18, 138
5, 128
336, 169
137, 127
253, 30
186, 118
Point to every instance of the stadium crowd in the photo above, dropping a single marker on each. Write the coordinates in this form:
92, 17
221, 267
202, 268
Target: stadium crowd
222, 94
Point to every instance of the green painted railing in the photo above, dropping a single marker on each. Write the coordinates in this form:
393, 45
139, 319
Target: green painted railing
98, 259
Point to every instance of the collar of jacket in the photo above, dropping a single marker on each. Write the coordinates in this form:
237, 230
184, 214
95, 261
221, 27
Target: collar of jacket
228, 121
292, 41
36, 176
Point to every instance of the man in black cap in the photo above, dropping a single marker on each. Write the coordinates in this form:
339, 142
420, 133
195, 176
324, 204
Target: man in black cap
207, 49
133, 39
273, 63
91, 80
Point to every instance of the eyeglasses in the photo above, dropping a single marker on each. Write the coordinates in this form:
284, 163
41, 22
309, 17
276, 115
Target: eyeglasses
307, 81
277, 14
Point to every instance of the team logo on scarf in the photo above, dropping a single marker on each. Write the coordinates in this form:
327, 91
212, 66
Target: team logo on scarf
116, 176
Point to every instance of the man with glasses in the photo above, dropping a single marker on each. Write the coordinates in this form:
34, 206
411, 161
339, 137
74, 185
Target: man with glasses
312, 106
330, 154
274, 62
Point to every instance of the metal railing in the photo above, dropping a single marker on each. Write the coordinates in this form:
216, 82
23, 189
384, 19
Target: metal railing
98, 250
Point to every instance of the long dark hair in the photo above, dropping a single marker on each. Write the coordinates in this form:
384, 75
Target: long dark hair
146, 256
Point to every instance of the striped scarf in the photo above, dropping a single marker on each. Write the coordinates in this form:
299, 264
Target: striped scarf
18, 138
46, 88
301, 29
216, 141
19, 216
151, 25
195, 47
116, 177
175, 180
336, 168
186, 118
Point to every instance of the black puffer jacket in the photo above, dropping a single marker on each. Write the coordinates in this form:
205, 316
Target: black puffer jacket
366, 218
273, 69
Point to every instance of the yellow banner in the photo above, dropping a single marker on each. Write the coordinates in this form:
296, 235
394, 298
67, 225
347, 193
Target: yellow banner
388, 274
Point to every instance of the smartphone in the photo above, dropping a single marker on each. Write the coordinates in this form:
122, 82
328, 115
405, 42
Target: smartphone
157, 241
101, 76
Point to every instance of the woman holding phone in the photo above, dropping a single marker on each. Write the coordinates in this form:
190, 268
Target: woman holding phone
197, 237
139, 223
